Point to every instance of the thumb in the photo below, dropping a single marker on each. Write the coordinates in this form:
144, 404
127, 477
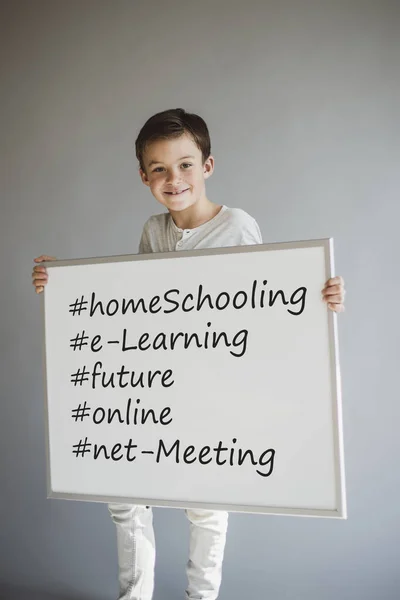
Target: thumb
43, 258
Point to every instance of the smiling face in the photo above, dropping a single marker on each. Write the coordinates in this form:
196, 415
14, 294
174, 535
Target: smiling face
175, 172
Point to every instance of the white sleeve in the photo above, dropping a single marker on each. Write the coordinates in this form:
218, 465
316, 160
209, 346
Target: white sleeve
250, 233
144, 244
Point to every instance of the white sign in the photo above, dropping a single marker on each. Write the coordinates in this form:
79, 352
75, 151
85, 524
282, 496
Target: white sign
206, 378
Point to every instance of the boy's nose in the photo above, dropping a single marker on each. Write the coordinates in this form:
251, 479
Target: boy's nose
173, 177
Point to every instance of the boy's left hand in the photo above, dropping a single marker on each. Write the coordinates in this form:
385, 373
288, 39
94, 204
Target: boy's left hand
333, 293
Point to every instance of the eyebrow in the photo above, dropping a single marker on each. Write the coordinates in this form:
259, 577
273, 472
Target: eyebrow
156, 162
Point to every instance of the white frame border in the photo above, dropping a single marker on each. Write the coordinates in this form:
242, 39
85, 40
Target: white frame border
341, 508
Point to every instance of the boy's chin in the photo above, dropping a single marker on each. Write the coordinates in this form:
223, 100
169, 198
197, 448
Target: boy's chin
179, 205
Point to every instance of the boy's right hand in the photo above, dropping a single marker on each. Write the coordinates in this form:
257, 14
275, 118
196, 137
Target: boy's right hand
39, 274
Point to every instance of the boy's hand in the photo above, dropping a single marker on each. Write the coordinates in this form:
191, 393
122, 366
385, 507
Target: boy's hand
333, 293
39, 274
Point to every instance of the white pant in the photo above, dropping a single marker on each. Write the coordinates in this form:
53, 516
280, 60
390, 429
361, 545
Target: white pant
136, 551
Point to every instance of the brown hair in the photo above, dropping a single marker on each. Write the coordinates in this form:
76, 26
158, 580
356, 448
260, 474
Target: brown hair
171, 124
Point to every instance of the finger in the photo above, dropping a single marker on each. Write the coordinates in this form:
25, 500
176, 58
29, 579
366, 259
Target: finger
39, 282
338, 308
40, 279
335, 299
335, 281
39, 271
40, 276
44, 257
334, 289
39, 290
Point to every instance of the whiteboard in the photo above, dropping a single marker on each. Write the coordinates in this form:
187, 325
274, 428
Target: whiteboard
196, 379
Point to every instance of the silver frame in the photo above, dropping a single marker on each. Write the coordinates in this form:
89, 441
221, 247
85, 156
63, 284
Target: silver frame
341, 510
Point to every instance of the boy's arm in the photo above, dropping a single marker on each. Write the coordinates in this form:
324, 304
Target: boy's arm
333, 292
250, 233
144, 244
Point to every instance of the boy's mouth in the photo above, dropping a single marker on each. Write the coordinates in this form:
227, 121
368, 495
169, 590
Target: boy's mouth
176, 193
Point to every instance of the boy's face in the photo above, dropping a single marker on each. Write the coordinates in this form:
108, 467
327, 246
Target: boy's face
175, 172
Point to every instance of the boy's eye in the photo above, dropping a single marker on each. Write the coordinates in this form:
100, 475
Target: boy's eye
157, 169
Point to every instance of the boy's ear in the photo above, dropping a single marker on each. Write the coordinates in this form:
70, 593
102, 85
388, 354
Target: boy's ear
208, 168
143, 177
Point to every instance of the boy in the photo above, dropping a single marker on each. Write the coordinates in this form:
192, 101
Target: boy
174, 153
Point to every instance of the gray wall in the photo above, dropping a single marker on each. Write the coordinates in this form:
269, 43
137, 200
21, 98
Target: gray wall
302, 100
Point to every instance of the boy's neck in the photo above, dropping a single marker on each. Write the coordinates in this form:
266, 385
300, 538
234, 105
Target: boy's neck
195, 215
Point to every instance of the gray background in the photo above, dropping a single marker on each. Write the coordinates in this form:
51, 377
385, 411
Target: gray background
302, 102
